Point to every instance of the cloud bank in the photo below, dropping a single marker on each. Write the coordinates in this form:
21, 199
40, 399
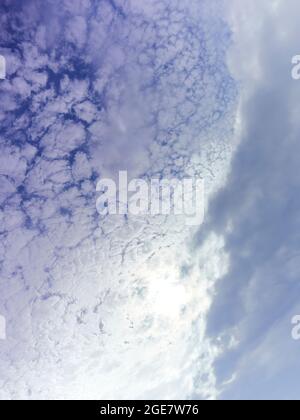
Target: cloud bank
257, 212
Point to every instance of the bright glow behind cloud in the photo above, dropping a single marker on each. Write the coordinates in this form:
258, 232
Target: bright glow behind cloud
109, 309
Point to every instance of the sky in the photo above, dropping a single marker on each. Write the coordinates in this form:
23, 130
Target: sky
147, 307
257, 211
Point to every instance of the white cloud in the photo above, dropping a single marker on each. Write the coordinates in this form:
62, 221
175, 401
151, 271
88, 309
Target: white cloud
113, 308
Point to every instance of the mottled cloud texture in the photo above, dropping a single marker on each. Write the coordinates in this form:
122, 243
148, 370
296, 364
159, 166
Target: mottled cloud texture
108, 308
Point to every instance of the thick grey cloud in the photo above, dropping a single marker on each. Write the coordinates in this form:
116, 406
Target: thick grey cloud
258, 211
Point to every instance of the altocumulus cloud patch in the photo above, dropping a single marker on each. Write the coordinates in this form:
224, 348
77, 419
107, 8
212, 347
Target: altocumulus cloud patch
94, 88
